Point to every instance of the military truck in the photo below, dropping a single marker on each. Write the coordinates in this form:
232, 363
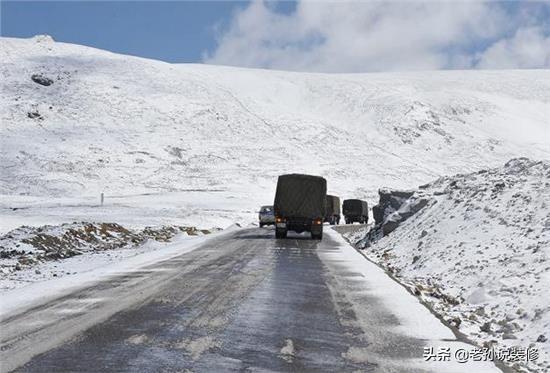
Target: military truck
332, 214
356, 210
300, 204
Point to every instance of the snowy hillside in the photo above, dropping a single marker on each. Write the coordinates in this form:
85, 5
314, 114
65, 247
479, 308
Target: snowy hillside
203, 145
479, 253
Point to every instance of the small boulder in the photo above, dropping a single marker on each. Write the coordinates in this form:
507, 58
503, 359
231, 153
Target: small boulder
486, 327
34, 115
455, 321
41, 79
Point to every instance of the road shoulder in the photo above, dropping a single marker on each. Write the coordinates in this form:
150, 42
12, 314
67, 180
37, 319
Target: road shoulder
388, 314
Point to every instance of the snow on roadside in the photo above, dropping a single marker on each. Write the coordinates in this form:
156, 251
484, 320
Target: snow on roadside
413, 319
30, 254
478, 254
93, 266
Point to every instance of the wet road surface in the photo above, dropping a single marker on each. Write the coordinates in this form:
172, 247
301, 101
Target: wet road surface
241, 302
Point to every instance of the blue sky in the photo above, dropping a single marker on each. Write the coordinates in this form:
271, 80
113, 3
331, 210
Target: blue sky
175, 31
349, 36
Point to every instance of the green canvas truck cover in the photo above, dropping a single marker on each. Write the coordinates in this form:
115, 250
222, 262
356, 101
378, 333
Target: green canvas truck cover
300, 195
333, 205
355, 207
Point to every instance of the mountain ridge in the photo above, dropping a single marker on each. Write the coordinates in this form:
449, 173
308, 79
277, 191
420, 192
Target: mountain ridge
125, 124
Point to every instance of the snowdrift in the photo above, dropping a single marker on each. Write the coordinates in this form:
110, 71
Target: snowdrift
478, 253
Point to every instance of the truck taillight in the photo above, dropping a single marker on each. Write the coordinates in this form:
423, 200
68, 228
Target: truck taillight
278, 219
317, 222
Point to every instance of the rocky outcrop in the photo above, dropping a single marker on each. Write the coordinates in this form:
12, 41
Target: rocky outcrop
393, 208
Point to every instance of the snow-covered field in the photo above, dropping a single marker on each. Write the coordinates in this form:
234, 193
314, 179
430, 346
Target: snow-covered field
199, 145
479, 254
202, 145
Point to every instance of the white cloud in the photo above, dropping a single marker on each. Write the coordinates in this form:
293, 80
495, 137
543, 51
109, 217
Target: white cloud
528, 48
377, 36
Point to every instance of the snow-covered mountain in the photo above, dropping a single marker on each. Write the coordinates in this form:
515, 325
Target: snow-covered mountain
478, 253
131, 126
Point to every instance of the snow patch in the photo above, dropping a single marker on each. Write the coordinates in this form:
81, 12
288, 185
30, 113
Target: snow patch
287, 351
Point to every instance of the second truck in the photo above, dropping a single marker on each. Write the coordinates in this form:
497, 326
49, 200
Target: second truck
332, 213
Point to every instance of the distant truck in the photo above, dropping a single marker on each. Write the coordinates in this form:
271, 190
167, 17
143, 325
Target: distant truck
332, 214
266, 216
356, 210
300, 205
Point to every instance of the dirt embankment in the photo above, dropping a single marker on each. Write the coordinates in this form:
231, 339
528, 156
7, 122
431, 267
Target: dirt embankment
26, 246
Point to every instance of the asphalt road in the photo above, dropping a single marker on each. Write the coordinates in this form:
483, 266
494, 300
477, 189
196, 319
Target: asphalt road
241, 302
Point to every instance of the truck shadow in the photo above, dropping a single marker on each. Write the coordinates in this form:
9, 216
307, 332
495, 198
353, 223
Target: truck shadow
271, 236
257, 236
